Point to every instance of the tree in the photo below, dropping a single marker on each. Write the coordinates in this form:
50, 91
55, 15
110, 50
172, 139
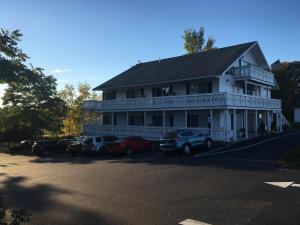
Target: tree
194, 41
287, 75
72, 124
31, 102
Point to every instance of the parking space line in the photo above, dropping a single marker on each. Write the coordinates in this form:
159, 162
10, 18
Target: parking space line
193, 222
213, 152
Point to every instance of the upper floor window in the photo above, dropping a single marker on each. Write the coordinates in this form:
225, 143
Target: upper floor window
135, 93
109, 95
162, 91
199, 88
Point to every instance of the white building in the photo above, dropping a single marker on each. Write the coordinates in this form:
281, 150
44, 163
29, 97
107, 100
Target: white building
227, 89
297, 114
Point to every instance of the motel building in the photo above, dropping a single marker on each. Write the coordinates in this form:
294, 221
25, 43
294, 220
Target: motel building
225, 92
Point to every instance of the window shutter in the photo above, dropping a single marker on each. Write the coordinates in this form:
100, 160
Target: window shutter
187, 89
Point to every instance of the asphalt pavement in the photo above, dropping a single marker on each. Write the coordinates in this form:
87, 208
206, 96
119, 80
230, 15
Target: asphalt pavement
223, 187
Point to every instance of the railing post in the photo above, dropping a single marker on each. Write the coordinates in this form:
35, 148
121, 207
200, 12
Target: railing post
246, 123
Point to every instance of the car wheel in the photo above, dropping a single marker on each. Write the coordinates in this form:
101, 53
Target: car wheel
187, 149
208, 143
128, 151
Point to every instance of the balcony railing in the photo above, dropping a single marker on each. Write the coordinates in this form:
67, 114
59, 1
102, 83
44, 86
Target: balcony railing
183, 102
149, 132
254, 73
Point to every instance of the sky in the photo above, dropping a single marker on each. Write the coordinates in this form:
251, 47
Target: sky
92, 41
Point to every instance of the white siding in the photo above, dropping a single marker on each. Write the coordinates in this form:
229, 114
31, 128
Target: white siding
297, 115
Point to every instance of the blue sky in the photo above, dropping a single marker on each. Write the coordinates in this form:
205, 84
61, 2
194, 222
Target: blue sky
93, 40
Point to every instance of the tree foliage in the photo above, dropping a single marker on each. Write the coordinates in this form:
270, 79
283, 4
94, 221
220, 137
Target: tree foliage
31, 104
194, 41
287, 75
72, 124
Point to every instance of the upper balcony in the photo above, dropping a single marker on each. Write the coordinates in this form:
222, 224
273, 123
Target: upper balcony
213, 100
253, 73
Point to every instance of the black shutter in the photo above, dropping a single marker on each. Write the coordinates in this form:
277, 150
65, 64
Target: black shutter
209, 87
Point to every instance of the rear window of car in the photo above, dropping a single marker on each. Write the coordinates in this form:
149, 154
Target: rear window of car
87, 140
187, 133
109, 138
98, 139
170, 135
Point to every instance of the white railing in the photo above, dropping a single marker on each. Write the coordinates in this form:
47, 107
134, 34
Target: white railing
221, 99
199, 100
252, 72
249, 101
148, 132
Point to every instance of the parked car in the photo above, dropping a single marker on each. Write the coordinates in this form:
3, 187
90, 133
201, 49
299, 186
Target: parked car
74, 148
46, 147
25, 145
132, 144
185, 141
95, 145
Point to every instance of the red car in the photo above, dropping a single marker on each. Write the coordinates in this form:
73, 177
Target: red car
132, 144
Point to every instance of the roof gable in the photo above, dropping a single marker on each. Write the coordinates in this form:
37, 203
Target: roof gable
185, 67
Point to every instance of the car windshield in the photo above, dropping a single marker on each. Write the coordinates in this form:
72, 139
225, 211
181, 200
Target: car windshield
87, 140
170, 135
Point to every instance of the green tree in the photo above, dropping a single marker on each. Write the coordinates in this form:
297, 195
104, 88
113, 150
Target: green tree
194, 41
31, 102
72, 123
287, 75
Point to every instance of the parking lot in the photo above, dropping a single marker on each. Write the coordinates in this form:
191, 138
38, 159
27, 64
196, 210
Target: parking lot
222, 187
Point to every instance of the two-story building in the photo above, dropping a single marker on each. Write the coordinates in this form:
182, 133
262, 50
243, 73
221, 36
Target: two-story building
225, 92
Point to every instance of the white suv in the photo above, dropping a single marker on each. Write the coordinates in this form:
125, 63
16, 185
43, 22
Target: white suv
97, 144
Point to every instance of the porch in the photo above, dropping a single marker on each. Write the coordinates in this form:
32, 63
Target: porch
221, 124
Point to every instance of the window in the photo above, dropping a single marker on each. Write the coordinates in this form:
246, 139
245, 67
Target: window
136, 120
135, 93
106, 120
115, 119
172, 120
157, 120
193, 120
109, 95
162, 91
197, 120
98, 139
203, 87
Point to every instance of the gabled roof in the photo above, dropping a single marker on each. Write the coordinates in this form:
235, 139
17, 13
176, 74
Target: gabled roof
185, 67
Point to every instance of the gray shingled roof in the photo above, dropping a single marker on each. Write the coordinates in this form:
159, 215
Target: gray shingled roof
190, 66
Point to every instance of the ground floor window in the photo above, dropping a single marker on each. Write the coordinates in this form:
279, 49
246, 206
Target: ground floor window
197, 120
171, 121
157, 120
136, 120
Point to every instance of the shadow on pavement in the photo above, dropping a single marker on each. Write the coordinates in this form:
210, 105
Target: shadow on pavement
45, 203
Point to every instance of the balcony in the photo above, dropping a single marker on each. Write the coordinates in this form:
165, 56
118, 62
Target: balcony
253, 73
213, 100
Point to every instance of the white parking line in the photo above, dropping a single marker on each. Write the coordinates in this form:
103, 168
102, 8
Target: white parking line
193, 222
281, 184
295, 185
245, 147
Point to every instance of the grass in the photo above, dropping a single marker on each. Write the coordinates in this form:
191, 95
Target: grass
291, 158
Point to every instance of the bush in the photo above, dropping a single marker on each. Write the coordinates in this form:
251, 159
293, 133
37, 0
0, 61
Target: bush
292, 158
13, 216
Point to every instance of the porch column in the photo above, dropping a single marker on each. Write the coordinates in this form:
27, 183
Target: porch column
256, 123
245, 86
268, 121
113, 123
246, 123
185, 118
281, 122
145, 128
226, 118
211, 122
234, 123
127, 122
164, 121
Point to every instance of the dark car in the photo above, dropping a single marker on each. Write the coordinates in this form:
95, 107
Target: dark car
132, 144
74, 148
25, 145
185, 141
46, 147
